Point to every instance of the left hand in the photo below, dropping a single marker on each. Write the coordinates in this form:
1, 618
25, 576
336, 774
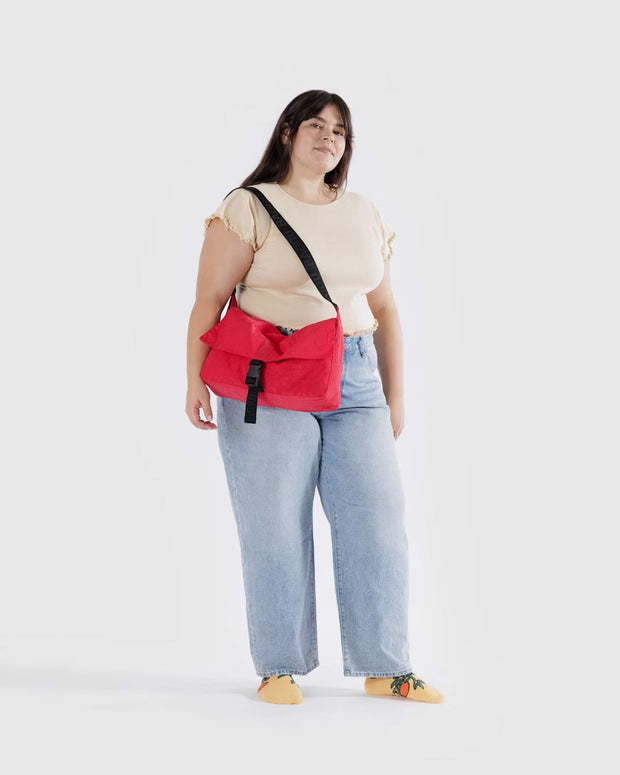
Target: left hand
397, 415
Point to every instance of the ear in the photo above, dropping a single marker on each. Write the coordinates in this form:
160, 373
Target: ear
285, 134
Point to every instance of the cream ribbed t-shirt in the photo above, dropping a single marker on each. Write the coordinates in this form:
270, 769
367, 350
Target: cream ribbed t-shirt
348, 239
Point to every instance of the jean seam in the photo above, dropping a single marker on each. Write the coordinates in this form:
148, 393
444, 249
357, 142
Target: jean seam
378, 674
314, 644
238, 510
286, 670
345, 649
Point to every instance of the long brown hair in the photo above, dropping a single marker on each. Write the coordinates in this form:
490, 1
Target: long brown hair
276, 160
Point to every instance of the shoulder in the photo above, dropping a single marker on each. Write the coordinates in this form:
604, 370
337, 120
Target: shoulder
241, 211
365, 206
382, 226
360, 203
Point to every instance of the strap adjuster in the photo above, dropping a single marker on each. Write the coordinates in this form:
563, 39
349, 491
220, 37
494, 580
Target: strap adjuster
253, 375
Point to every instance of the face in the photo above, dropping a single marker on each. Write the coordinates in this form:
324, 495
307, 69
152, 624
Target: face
320, 132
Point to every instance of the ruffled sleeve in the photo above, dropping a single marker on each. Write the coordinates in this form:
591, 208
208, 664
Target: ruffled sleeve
238, 212
386, 234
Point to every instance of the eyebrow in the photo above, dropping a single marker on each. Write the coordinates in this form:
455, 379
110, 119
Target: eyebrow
323, 120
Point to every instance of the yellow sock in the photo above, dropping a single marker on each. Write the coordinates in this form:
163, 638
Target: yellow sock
281, 689
408, 686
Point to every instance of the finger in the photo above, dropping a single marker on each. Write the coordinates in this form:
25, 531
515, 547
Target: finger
196, 414
208, 413
198, 422
196, 419
206, 408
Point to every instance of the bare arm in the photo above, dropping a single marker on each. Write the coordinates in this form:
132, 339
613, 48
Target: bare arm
224, 260
388, 340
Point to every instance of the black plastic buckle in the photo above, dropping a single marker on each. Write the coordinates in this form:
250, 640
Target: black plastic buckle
253, 375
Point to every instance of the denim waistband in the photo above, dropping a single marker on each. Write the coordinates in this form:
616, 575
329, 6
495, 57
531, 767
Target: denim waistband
355, 341
349, 341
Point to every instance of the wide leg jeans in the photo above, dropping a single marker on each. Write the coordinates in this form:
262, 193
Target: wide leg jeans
273, 468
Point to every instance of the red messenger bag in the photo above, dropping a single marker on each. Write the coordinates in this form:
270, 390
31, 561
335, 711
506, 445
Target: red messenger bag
251, 360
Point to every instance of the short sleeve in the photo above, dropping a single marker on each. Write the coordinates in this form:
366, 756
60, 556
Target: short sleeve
238, 212
387, 234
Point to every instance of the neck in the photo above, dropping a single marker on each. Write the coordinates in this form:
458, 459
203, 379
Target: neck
307, 186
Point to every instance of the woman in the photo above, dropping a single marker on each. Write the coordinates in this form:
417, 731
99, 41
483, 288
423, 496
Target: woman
274, 466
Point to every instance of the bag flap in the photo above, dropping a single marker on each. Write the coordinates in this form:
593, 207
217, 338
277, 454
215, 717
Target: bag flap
241, 334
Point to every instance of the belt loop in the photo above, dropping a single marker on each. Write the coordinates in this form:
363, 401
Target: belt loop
362, 346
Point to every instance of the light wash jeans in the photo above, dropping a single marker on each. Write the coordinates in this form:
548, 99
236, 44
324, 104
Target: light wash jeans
273, 469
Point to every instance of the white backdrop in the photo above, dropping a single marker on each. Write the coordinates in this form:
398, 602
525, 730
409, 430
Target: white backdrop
486, 133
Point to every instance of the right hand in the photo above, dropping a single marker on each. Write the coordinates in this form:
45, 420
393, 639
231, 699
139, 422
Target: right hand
198, 396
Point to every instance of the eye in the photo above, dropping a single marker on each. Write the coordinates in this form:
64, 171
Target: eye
321, 126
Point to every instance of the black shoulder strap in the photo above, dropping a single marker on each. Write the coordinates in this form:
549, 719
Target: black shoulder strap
295, 241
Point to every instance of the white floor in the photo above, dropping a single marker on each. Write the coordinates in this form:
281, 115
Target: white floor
56, 718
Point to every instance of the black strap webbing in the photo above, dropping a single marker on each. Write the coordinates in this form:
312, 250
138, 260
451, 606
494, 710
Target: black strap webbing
252, 380
294, 240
